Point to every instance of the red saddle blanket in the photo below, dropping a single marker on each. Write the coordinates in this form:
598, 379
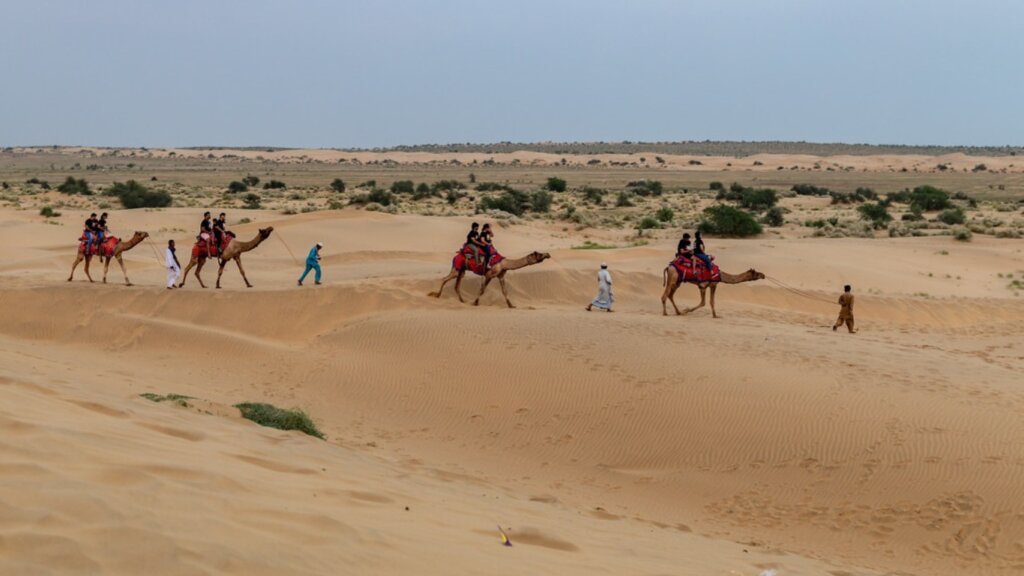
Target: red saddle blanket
106, 249
694, 270
209, 247
466, 258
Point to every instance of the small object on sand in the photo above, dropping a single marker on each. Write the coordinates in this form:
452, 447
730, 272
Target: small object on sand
770, 573
504, 537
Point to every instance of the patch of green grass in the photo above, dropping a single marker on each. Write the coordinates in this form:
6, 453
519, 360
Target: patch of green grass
274, 417
179, 399
589, 245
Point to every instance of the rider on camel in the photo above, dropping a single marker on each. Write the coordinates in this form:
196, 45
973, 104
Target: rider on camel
698, 250
90, 233
487, 242
101, 233
473, 241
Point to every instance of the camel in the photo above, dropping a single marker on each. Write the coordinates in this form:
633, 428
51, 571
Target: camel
119, 248
460, 265
671, 280
197, 259
235, 250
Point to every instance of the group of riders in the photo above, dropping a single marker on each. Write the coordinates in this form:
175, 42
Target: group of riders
688, 250
95, 233
480, 246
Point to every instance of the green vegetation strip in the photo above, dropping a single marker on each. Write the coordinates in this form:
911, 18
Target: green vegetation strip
274, 417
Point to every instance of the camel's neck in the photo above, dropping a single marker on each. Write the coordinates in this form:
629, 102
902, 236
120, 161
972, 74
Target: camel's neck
246, 246
747, 276
131, 243
516, 263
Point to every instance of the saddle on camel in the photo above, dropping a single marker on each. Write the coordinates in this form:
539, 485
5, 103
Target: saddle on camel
207, 246
692, 269
466, 259
86, 247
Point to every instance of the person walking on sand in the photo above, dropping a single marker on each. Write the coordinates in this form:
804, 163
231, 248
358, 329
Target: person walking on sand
313, 263
604, 298
173, 266
845, 311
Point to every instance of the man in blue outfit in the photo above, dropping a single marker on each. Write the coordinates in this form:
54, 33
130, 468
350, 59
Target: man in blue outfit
312, 263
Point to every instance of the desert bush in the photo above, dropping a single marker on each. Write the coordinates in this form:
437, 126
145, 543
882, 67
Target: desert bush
774, 217
512, 201
491, 187
593, 195
717, 186
251, 180
979, 168
453, 196
877, 214
445, 185
274, 417
810, 190
540, 201
403, 187
48, 212
235, 187
368, 184
252, 201
758, 199
929, 198
645, 187
647, 223
274, 185
135, 195
422, 191
952, 216
665, 214
962, 234
555, 184
72, 186
623, 200
338, 185
913, 216
728, 221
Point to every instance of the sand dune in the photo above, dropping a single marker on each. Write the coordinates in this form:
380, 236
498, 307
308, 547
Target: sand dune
607, 443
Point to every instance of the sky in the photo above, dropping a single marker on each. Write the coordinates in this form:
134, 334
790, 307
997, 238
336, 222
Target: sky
362, 73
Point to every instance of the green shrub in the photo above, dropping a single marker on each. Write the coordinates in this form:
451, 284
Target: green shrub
235, 187
491, 187
512, 201
251, 180
72, 186
555, 184
645, 187
423, 191
179, 399
338, 185
453, 196
774, 217
810, 190
445, 185
135, 195
540, 201
274, 417
593, 195
718, 186
962, 234
876, 214
913, 216
952, 216
665, 214
252, 201
48, 212
368, 184
728, 221
403, 187
623, 200
381, 196
648, 223
929, 198
274, 185
901, 197
758, 199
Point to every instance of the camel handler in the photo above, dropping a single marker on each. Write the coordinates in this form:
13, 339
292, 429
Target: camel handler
313, 263
604, 298
845, 311
173, 266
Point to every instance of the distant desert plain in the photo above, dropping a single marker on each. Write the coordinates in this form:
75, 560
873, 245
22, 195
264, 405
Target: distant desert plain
622, 443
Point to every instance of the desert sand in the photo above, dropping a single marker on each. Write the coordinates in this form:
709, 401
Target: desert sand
624, 443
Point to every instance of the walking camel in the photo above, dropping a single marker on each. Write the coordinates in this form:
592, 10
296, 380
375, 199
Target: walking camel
200, 253
672, 283
461, 264
112, 248
236, 248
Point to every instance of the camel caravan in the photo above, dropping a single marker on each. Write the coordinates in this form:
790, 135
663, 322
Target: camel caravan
691, 265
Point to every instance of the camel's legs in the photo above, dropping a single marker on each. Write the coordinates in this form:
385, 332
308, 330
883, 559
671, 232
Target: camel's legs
120, 260
451, 275
672, 298
184, 274
483, 287
702, 288
199, 268
713, 313
238, 260
458, 284
78, 259
504, 288
88, 259
220, 271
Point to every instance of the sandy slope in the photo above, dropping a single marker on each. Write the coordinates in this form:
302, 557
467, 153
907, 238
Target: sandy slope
614, 443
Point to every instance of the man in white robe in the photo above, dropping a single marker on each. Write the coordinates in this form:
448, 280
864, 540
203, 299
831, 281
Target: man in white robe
604, 298
173, 266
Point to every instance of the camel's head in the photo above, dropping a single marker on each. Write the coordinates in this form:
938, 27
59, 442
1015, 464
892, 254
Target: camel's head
755, 274
265, 232
537, 257
141, 235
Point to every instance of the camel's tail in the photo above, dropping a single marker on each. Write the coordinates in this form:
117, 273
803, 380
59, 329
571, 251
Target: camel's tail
434, 294
664, 277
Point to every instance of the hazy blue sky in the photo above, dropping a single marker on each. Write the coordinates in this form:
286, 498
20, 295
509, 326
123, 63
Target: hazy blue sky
378, 73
